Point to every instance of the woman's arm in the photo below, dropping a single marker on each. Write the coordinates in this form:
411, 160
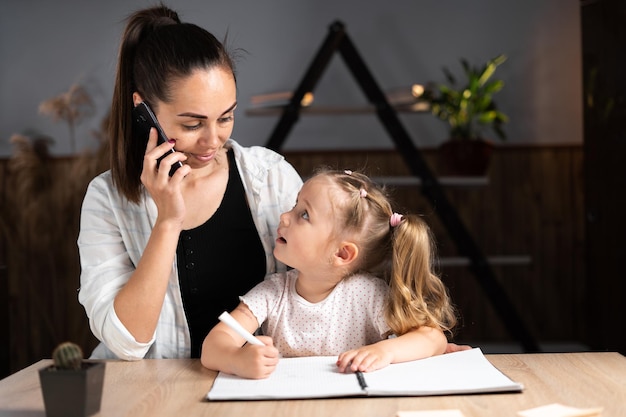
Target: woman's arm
416, 344
114, 247
224, 350
126, 263
138, 304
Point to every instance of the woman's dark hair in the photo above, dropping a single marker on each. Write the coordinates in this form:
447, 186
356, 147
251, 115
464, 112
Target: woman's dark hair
156, 49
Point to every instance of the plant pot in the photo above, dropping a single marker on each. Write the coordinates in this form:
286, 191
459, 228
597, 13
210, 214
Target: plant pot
469, 157
72, 393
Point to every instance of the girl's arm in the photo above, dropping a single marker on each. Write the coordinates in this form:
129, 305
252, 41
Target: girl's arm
224, 350
416, 344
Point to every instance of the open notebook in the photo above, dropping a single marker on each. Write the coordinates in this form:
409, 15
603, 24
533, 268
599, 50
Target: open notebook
465, 372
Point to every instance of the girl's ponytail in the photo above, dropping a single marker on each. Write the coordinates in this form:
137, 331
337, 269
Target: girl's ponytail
417, 296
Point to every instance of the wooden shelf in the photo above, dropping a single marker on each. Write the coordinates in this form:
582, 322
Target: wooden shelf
417, 107
493, 260
446, 181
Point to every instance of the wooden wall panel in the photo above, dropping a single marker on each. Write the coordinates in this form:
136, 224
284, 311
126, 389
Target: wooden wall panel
532, 205
38, 230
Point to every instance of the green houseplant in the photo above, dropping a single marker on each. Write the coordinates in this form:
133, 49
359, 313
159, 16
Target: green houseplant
71, 386
469, 109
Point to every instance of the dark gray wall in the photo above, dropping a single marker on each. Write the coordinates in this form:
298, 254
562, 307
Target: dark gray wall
46, 46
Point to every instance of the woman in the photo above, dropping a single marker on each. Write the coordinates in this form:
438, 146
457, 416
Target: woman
162, 256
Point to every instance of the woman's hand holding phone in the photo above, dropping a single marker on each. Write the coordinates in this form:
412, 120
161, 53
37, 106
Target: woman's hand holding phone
165, 190
162, 158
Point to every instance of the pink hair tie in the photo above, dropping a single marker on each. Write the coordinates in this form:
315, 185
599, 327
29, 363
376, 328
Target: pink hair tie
395, 219
362, 193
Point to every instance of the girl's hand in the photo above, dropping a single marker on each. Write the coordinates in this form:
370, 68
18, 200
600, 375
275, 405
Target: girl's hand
257, 362
453, 347
165, 191
365, 359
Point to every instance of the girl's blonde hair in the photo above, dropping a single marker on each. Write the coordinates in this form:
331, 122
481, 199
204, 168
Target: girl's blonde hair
402, 254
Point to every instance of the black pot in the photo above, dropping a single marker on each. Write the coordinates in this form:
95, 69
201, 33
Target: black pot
464, 157
72, 393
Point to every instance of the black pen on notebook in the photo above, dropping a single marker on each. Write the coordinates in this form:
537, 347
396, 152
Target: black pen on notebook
361, 378
237, 327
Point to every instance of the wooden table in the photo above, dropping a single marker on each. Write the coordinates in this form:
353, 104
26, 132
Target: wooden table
177, 387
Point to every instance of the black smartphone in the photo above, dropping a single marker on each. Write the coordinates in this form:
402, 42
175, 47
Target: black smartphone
143, 120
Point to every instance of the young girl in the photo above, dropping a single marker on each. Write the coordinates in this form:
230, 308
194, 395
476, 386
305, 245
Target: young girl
341, 235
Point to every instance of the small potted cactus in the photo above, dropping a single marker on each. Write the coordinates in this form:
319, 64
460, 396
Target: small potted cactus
71, 386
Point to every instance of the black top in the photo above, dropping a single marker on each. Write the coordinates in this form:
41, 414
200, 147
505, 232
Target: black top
219, 261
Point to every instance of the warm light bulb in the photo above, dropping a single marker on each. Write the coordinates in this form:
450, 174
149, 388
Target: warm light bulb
417, 90
307, 99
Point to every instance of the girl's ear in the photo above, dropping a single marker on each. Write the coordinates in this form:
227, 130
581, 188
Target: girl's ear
346, 253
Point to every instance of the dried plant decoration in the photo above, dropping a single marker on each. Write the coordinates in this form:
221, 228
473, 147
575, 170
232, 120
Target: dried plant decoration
39, 220
72, 107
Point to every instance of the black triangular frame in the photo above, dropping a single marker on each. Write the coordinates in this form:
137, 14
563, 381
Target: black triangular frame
338, 40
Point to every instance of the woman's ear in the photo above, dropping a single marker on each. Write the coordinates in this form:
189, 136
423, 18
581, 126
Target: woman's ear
137, 98
346, 253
